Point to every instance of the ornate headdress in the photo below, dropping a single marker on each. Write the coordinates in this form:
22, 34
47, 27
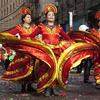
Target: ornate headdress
97, 15
25, 10
50, 7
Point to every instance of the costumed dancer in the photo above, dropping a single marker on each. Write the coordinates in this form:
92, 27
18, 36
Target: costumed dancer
91, 38
53, 36
21, 68
68, 53
97, 34
97, 31
56, 52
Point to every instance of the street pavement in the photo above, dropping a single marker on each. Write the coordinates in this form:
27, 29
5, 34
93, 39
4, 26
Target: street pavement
76, 90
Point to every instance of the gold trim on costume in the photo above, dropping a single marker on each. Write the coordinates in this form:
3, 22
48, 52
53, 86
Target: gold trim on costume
20, 77
50, 7
73, 49
97, 79
51, 31
43, 77
38, 45
28, 30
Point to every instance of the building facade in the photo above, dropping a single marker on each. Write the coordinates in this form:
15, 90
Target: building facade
9, 14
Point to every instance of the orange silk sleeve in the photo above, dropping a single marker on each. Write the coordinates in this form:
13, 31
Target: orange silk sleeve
64, 35
14, 31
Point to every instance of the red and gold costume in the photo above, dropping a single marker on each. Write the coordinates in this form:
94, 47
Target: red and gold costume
97, 62
68, 54
52, 38
56, 51
21, 67
57, 56
91, 38
25, 33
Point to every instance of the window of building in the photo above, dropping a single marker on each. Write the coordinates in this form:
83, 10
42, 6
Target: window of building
4, 2
7, 1
4, 12
10, 8
7, 11
0, 3
13, 6
1, 14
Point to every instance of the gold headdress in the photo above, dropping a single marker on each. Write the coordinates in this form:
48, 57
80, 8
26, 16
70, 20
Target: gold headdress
50, 7
24, 10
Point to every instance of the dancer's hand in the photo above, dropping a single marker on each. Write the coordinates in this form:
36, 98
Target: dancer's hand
17, 35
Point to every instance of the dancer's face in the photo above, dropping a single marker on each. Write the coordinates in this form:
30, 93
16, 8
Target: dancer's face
50, 16
27, 19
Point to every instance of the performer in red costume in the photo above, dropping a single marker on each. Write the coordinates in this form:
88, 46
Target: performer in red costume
93, 38
54, 36
23, 31
57, 54
96, 33
62, 46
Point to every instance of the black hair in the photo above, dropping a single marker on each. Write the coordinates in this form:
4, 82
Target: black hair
23, 16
